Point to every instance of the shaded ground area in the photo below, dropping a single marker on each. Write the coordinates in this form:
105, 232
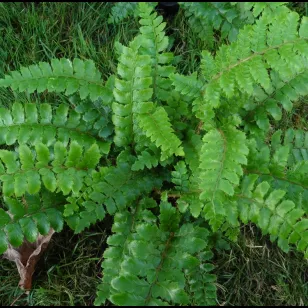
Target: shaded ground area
253, 272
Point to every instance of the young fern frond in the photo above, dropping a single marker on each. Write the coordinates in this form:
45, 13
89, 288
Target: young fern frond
132, 89
61, 75
31, 124
155, 123
154, 43
222, 155
140, 70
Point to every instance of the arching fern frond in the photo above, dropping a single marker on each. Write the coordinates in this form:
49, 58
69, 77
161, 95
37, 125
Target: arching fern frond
273, 214
61, 75
31, 124
274, 45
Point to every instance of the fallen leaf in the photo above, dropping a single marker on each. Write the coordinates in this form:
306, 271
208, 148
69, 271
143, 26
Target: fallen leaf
26, 257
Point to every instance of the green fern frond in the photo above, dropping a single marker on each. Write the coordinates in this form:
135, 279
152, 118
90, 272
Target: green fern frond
273, 214
282, 165
62, 170
145, 160
110, 189
116, 188
154, 260
205, 17
264, 8
192, 147
133, 88
179, 113
188, 86
154, 44
281, 155
281, 94
199, 25
121, 10
124, 226
32, 124
201, 284
273, 44
222, 154
26, 219
180, 177
297, 140
155, 123
61, 75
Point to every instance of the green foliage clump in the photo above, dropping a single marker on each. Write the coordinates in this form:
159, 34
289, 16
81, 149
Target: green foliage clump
176, 160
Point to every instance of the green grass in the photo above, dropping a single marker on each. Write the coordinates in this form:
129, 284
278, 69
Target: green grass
253, 272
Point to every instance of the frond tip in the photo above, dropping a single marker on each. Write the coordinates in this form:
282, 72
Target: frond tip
61, 75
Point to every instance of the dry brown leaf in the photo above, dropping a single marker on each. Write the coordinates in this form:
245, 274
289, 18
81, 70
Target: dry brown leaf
26, 256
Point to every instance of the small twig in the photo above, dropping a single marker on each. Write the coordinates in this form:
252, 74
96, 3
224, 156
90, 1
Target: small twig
17, 298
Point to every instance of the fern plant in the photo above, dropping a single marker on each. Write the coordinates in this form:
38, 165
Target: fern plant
174, 159
206, 18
